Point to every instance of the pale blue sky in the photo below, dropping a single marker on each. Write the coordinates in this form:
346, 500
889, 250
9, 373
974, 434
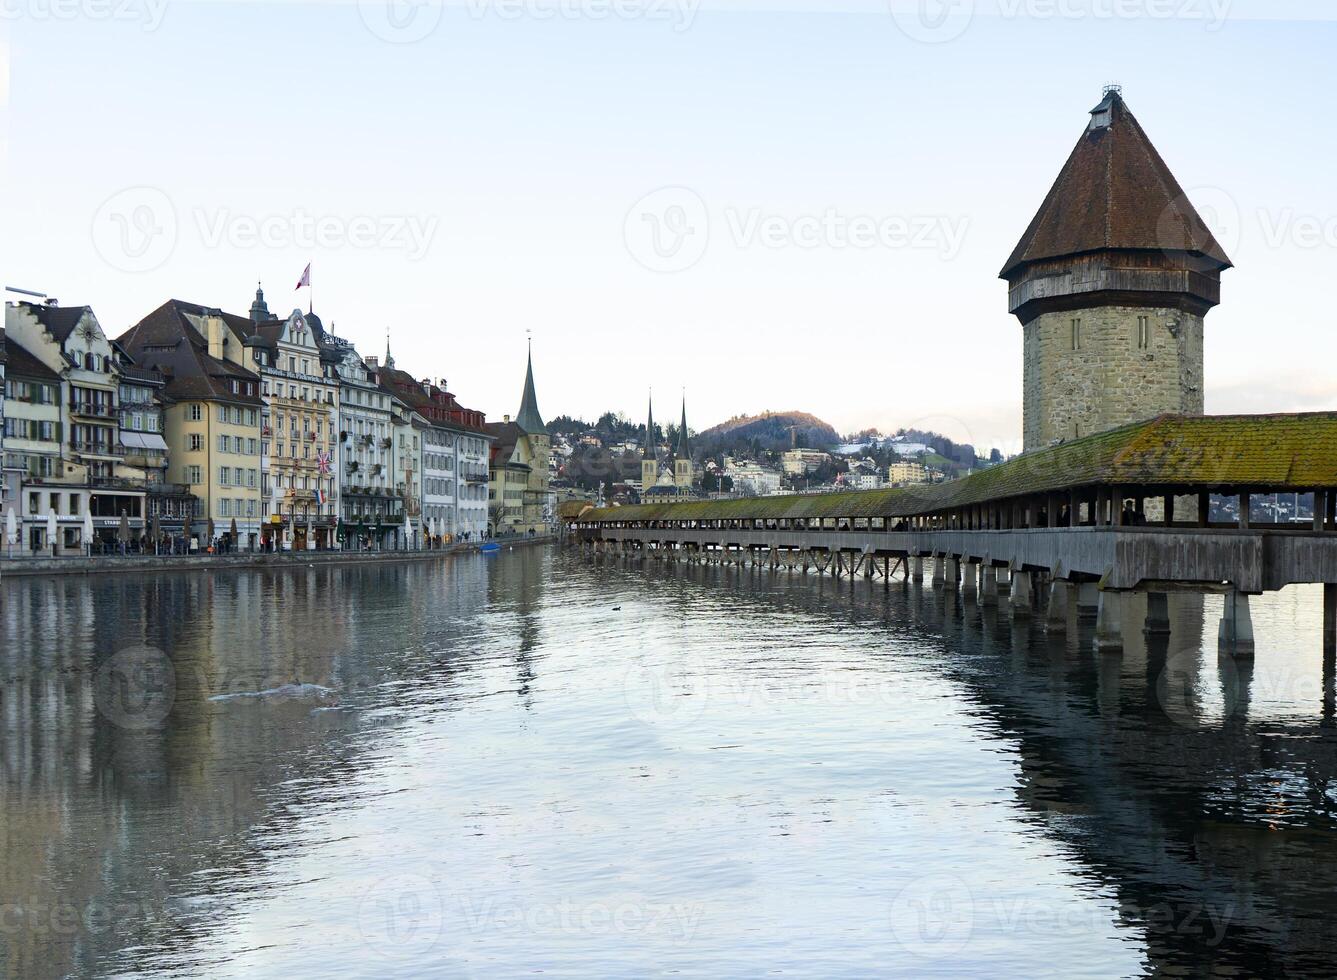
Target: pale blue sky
516, 147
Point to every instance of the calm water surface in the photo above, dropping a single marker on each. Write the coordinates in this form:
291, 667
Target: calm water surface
541, 764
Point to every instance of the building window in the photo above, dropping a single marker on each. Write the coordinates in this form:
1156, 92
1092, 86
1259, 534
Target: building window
197, 413
1143, 332
1076, 333
223, 472
193, 475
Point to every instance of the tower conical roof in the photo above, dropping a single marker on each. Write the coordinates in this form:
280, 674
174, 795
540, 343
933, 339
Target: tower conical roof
651, 450
684, 450
1115, 192
529, 419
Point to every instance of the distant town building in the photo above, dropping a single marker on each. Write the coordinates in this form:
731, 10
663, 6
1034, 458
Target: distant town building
752, 479
905, 474
801, 462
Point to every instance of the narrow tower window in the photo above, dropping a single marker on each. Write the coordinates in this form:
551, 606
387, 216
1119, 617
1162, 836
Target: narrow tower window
1143, 332
1076, 333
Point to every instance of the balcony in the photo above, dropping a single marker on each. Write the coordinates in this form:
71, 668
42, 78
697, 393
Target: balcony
93, 410
104, 449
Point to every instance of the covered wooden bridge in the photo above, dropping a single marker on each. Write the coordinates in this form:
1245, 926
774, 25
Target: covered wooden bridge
1127, 510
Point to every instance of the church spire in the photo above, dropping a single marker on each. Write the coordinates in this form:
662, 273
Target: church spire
684, 447
389, 358
529, 419
651, 448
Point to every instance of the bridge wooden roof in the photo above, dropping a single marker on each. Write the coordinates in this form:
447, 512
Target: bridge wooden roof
1172, 453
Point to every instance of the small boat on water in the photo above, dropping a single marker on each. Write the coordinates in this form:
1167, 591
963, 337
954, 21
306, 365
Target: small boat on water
491, 548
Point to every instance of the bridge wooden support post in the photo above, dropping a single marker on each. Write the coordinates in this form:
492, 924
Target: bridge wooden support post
1109, 623
1019, 597
1056, 615
951, 575
989, 586
970, 579
1158, 615
939, 571
1235, 635
1088, 599
1330, 654
917, 568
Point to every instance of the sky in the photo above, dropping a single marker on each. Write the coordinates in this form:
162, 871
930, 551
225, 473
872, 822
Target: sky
767, 206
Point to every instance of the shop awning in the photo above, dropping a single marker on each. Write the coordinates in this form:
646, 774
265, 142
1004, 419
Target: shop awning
143, 440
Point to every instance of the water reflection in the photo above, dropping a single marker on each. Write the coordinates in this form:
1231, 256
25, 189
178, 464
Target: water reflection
487, 766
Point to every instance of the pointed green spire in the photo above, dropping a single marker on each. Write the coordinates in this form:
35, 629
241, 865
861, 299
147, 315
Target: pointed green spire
684, 447
651, 450
529, 420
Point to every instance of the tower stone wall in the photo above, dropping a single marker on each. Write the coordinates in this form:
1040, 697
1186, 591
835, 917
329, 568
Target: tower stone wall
1089, 370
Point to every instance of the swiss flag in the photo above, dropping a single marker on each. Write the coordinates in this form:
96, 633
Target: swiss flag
306, 277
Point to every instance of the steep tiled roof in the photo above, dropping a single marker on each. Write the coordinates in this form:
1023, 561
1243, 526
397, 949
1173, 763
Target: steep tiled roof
1215, 453
1115, 192
166, 341
22, 364
60, 321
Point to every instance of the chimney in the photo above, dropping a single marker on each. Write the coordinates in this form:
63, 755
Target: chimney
214, 329
372, 361
506, 419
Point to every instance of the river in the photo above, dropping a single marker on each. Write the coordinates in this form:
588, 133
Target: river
538, 763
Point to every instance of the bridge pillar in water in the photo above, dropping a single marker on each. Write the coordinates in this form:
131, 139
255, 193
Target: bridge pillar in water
1158, 615
1235, 635
988, 586
1020, 593
970, 579
1330, 655
951, 580
916, 568
1056, 615
1109, 622
939, 573
1088, 599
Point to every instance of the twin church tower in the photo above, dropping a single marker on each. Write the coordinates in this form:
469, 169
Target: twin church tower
1111, 283
661, 477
